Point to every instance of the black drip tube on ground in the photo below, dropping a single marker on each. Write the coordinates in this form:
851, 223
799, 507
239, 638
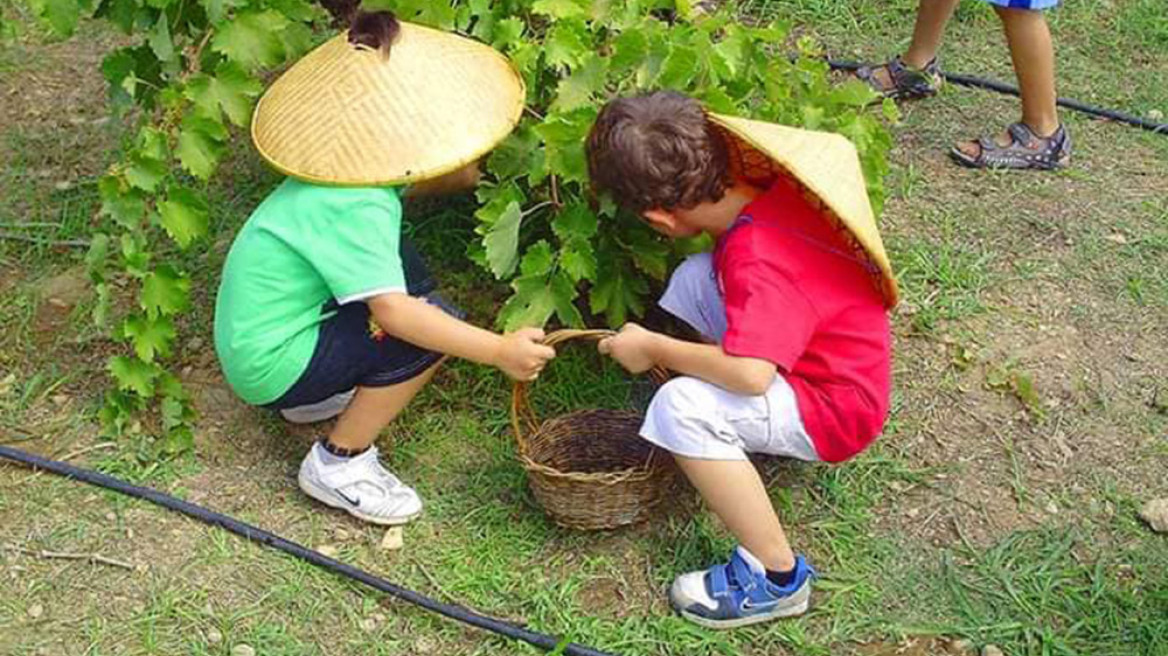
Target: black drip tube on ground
267, 539
1000, 87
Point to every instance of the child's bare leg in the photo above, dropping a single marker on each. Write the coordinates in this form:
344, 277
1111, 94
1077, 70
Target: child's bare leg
932, 16
373, 408
735, 492
1032, 50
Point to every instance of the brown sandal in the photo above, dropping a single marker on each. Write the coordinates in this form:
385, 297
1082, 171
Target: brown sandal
907, 83
1026, 150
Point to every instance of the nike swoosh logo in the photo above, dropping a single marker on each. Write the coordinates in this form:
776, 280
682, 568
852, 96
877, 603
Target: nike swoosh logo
356, 503
747, 605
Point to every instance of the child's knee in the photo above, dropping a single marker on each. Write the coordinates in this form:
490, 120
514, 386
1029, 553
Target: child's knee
682, 400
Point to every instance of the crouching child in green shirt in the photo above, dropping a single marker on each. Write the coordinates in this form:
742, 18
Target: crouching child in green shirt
323, 309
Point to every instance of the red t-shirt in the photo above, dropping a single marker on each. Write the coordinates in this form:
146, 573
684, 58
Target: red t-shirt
797, 296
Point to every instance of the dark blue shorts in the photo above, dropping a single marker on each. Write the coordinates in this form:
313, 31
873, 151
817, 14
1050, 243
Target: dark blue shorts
350, 352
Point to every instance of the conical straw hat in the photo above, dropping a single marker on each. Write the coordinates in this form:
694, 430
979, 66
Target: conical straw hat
828, 168
350, 116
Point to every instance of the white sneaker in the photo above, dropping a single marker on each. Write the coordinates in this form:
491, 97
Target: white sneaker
360, 486
313, 412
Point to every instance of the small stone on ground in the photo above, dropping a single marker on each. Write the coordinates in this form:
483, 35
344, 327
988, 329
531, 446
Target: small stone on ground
243, 650
393, 539
1155, 513
991, 650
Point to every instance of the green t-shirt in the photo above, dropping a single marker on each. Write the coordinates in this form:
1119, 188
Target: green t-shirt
303, 247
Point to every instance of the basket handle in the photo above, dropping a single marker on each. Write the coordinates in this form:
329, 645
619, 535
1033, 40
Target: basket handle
522, 415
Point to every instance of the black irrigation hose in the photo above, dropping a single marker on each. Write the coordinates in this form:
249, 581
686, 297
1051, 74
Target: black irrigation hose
265, 538
1000, 87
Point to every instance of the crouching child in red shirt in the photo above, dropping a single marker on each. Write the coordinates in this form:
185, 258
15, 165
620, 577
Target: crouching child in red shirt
793, 303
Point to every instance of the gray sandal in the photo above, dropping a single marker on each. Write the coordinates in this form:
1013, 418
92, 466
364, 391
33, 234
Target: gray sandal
1026, 150
907, 83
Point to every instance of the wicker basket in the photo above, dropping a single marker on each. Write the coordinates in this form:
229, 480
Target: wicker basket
590, 469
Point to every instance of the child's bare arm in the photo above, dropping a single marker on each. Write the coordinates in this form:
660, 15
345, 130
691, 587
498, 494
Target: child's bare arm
638, 349
520, 354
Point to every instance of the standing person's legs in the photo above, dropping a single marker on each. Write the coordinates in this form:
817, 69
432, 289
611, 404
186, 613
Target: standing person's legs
915, 74
932, 16
1032, 50
1038, 140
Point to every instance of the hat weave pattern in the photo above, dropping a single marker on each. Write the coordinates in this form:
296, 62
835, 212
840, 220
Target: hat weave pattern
346, 115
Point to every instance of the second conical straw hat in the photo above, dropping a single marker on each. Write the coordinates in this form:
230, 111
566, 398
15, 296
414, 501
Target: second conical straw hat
347, 116
828, 168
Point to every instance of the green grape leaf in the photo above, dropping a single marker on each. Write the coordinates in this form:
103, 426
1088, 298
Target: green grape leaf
217, 9
61, 15
150, 337
96, 256
853, 93
160, 41
531, 304
135, 257
297, 10
124, 205
731, 51
231, 90
183, 215
119, 12
563, 135
575, 221
538, 259
618, 291
564, 292
164, 292
145, 173
252, 39
715, 99
679, 68
560, 8
629, 50
567, 43
101, 306
171, 411
651, 256
199, 146
508, 33
502, 241
297, 40
578, 261
512, 158
134, 375
577, 89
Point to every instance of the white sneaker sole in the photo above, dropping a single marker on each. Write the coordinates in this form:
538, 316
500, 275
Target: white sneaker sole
324, 496
778, 613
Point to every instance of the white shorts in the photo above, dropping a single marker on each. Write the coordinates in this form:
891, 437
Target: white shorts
695, 419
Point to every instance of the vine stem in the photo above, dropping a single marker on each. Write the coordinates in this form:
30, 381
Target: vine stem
555, 192
535, 208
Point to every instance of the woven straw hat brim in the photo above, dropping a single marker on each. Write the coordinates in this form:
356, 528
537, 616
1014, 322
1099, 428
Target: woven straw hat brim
349, 116
828, 167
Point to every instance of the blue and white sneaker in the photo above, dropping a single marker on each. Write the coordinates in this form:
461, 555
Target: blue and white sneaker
738, 593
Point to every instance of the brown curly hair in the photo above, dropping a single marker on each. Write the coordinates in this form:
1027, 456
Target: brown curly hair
657, 151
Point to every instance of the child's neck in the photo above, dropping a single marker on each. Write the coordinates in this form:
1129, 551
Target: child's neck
726, 211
